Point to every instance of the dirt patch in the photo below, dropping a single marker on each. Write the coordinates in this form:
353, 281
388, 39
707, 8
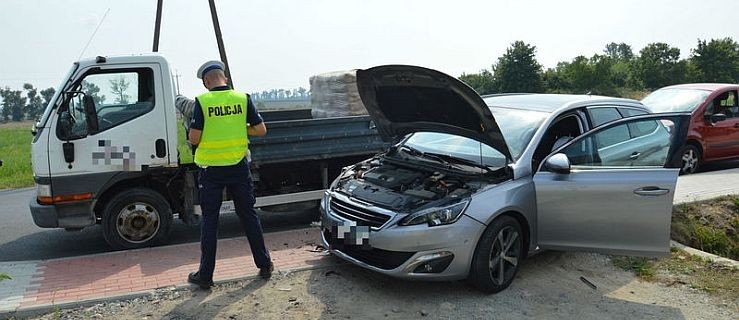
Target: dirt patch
688, 270
711, 225
549, 285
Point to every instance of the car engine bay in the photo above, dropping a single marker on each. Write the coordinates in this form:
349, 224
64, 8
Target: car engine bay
402, 187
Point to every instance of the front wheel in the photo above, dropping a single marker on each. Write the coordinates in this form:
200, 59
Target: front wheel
136, 218
497, 256
689, 158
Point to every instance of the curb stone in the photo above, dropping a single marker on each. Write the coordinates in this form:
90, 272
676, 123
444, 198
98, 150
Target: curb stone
705, 255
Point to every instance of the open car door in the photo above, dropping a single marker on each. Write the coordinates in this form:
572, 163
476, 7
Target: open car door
611, 189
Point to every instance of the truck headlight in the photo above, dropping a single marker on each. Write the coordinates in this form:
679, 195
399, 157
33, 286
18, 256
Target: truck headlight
436, 216
43, 190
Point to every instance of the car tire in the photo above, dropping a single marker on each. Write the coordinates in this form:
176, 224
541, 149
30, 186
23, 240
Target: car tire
136, 218
688, 158
493, 266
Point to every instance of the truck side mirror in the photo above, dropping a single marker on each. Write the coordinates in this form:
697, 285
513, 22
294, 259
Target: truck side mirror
91, 115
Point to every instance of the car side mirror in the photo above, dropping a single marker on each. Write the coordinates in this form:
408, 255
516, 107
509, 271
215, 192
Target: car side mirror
91, 114
718, 117
558, 163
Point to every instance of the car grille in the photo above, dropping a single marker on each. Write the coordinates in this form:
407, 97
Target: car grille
361, 216
383, 259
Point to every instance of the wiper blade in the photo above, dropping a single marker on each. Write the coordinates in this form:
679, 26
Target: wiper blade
459, 160
419, 153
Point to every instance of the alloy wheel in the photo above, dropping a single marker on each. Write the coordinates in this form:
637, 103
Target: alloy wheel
690, 161
504, 256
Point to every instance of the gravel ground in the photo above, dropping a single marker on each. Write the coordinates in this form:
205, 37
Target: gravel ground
548, 286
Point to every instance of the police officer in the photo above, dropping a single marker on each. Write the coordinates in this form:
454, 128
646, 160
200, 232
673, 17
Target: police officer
222, 121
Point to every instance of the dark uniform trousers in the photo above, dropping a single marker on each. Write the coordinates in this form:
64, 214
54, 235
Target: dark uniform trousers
237, 180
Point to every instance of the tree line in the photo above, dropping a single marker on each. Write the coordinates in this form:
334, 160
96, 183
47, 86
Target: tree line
282, 94
615, 72
25, 104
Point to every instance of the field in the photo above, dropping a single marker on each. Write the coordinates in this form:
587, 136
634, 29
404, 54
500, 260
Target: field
15, 151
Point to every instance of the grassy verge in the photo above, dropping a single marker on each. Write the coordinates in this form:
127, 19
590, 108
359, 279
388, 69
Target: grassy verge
711, 226
686, 269
15, 151
4, 276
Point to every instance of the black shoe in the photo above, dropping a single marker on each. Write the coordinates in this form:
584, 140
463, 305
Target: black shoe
194, 278
266, 272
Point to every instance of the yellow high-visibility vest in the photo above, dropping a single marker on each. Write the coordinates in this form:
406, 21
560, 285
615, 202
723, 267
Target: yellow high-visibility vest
224, 140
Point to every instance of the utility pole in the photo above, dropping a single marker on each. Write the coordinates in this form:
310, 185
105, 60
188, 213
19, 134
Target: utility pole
219, 39
157, 26
177, 80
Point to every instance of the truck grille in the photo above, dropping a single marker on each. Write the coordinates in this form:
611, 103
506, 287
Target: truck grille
361, 216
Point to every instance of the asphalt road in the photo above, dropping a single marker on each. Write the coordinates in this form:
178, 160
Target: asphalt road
21, 239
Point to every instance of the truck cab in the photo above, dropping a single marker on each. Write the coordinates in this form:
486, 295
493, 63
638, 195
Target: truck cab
110, 149
111, 120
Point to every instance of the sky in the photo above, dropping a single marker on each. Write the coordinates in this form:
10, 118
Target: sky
274, 44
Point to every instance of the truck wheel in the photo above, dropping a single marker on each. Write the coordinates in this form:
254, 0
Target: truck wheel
688, 158
136, 218
497, 256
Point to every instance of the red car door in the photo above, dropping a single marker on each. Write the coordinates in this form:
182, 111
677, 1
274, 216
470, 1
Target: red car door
722, 138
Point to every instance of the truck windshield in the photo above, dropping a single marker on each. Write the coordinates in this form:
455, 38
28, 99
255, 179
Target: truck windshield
675, 100
52, 101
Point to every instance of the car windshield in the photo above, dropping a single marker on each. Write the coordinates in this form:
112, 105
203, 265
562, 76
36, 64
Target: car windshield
675, 100
518, 127
448, 145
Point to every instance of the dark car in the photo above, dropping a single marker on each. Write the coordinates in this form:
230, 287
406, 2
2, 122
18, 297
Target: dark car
714, 125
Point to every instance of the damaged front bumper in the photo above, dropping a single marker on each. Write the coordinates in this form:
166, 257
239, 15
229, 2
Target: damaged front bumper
411, 252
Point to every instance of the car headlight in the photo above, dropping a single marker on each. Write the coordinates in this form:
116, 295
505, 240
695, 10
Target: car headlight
436, 216
325, 201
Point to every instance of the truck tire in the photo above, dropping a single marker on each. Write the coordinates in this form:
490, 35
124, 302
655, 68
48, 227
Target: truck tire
136, 218
497, 256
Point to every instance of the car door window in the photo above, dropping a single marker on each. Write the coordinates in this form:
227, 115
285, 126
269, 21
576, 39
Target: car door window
118, 96
601, 115
630, 112
729, 106
615, 147
561, 131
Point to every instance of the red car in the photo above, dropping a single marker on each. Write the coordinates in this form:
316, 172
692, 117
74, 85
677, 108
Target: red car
714, 126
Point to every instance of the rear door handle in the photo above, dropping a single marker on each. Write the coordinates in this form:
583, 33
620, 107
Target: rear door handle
651, 191
634, 155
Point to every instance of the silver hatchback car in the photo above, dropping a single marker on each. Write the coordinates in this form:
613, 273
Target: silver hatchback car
473, 185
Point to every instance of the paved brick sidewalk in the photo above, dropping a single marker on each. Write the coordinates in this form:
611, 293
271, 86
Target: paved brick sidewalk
119, 273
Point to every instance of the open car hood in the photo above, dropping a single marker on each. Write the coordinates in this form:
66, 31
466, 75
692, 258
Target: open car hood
404, 99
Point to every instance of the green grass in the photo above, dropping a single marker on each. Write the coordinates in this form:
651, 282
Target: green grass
4, 276
684, 268
15, 151
642, 267
711, 226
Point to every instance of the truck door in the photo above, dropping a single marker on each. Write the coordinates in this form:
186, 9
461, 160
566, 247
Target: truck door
131, 133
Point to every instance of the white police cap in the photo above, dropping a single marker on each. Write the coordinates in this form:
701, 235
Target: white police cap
208, 66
